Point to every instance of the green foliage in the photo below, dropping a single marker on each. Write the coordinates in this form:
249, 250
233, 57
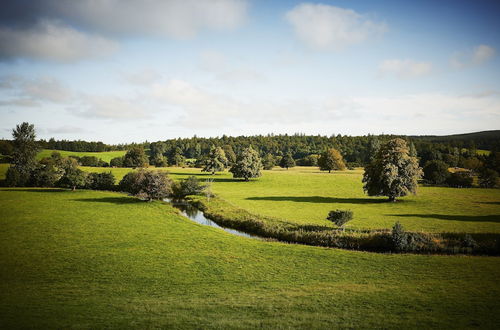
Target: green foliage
147, 184
189, 186
117, 162
216, 161
330, 160
461, 179
399, 237
268, 162
488, 178
340, 217
46, 175
24, 153
135, 157
230, 154
248, 165
6, 148
393, 172
436, 172
73, 178
309, 160
100, 181
287, 161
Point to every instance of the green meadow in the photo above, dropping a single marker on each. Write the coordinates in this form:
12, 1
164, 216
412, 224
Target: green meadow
105, 156
91, 259
305, 195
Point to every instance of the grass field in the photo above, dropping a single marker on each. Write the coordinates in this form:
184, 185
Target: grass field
305, 195
105, 156
90, 259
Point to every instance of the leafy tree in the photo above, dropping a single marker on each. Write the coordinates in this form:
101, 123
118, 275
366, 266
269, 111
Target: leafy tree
340, 217
473, 164
216, 161
73, 177
135, 157
147, 184
248, 165
157, 154
230, 155
393, 172
46, 175
309, 160
436, 171
117, 162
488, 178
330, 160
287, 161
89, 161
269, 161
189, 186
101, 181
6, 148
461, 179
24, 152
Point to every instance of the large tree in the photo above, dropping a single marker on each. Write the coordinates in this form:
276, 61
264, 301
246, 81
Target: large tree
24, 153
248, 164
393, 172
436, 171
330, 160
135, 157
146, 184
216, 161
287, 161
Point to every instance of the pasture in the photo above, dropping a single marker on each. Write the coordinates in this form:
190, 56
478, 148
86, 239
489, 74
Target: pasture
305, 195
105, 156
91, 259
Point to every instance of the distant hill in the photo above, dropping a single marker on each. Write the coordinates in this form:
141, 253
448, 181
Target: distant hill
488, 140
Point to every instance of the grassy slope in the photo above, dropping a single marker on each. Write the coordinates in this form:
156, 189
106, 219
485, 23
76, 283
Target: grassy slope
98, 259
305, 195
106, 156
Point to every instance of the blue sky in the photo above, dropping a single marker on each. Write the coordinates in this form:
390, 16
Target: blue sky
124, 71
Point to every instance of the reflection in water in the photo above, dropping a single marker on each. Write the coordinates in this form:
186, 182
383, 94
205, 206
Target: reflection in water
196, 215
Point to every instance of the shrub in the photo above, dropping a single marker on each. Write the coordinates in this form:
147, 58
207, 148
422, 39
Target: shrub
340, 217
436, 171
189, 186
399, 237
488, 178
116, 162
15, 178
46, 175
469, 242
147, 184
460, 180
100, 181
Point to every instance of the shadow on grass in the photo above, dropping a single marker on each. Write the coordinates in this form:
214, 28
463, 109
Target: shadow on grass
51, 190
487, 218
489, 203
216, 177
111, 200
319, 199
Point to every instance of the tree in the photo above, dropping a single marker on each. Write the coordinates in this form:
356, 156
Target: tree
147, 184
216, 161
330, 160
269, 161
116, 162
135, 157
287, 161
340, 217
393, 172
100, 181
189, 186
24, 153
436, 171
73, 177
488, 178
248, 165
230, 155
461, 179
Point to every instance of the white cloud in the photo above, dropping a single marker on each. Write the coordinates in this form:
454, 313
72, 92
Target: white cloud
405, 68
18, 91
476, 56
173, 18
110, 107
226, 70
328, 27
51, 40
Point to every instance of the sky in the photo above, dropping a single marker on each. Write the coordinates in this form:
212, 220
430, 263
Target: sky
122, 71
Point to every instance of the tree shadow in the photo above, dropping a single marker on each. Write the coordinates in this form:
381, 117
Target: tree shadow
319, 199
50, 190
111, 200
486, 218
489, 203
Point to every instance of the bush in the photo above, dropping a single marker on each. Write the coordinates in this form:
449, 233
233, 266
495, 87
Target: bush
488, 178
189, 186
16, 178
116, 162
436, 172
460, 180
147, 184
101, 181
46, 175
340, 217
399, 237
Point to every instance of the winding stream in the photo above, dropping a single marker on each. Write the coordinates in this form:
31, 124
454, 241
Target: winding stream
192, 213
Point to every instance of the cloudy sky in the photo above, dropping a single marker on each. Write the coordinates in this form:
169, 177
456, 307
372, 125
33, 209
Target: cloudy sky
125, 70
